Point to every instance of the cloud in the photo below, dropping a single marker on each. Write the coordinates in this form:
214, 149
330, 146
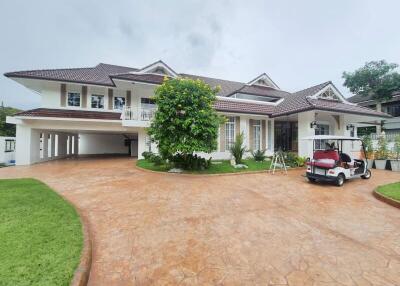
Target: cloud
297, 43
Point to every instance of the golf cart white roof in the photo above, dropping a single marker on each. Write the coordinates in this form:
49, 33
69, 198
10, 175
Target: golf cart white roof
330, 137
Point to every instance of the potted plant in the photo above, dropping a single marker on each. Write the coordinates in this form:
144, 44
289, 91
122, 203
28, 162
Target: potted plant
367, 141
382, 152
395, 161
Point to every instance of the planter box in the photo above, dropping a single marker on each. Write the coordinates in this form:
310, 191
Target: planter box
395, 165
370, 163
380, 164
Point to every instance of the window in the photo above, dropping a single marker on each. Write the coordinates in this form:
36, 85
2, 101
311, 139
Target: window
74, 99
229, 133
97, 101
119, 102
256, 134
147, 142
322, 129
392, 108
10, 145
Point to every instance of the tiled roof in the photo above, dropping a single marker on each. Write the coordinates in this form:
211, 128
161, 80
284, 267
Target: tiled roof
243, 107
103, 74
67, 113
301, 101
298, 101
227, 86
99, 75
362, 99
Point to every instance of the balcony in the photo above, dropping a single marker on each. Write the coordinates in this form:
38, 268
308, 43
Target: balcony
136, 116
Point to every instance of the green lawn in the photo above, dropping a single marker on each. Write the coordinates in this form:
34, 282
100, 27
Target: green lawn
391, 191
40, 235
223, 167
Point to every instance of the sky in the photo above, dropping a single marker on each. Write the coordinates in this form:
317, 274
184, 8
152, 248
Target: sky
297, 43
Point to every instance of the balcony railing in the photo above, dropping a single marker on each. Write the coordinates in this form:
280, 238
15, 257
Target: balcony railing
135, 113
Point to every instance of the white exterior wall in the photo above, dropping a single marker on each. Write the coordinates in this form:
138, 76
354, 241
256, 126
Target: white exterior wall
6, 157
90, 144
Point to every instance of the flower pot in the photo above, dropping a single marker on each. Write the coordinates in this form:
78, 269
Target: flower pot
380, 164
370, 163
395, 165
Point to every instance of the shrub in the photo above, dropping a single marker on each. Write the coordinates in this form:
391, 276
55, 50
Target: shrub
396, 149
190, 162
147, 155
259, 155
382, 151
293, 160
237, 150
367, 141
154, 158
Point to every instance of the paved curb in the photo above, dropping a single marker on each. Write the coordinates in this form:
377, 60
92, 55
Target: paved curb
385, 199
82, 272
220, 174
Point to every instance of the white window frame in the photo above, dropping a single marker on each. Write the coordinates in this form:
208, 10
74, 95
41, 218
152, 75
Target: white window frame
118, 96
9, 145
80, 99
230, 127
91, 100
256, 135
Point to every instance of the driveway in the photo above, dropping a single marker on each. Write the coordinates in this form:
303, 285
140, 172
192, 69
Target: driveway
254, 229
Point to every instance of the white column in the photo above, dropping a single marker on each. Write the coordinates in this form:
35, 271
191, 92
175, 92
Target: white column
76, 144
53, 145
23, 145
141, 143
244, 129
304, 129
45, 146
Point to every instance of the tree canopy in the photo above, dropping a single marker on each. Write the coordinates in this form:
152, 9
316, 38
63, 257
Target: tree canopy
185, 121
377, 79
5, 128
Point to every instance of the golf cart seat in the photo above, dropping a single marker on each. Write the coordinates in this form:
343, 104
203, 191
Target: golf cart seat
324, 159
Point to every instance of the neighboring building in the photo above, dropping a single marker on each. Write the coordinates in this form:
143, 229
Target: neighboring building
7, 150
105, 110
391, 126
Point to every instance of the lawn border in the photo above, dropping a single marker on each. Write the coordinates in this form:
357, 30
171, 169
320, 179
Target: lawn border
82, 272
219, 174
385, 199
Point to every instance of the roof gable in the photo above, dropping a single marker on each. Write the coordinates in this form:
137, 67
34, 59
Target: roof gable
263, 80
158, 68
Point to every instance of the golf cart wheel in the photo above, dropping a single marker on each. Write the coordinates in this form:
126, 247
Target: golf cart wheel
311, 180
340, 180
367, 174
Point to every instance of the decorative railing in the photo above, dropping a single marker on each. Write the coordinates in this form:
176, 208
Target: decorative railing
389, 137
135, 113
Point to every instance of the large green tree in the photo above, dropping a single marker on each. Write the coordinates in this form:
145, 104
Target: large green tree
7, 129
378, 79
185, 121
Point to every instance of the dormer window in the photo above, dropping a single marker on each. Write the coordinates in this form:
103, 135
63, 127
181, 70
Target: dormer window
329, 94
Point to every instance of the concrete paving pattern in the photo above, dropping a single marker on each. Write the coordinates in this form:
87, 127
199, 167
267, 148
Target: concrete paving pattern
253, 229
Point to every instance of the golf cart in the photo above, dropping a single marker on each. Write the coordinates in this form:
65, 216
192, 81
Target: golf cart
336, 159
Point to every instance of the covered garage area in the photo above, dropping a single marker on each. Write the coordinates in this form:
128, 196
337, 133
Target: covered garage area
41, 139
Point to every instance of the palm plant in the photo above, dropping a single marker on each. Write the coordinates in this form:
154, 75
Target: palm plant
237, 150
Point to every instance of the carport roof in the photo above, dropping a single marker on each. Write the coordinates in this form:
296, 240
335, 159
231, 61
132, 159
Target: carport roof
66, 113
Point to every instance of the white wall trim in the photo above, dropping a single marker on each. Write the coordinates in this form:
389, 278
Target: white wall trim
250, 101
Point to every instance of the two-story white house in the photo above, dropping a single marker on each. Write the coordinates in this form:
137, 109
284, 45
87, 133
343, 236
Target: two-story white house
105, 110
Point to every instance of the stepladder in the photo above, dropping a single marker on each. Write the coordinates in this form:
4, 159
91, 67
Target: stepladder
278, 160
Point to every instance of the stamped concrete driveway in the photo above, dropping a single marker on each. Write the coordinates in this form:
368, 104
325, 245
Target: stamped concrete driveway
258, 229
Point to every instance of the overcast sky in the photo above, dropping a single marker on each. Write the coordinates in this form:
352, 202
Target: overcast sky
297, 43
